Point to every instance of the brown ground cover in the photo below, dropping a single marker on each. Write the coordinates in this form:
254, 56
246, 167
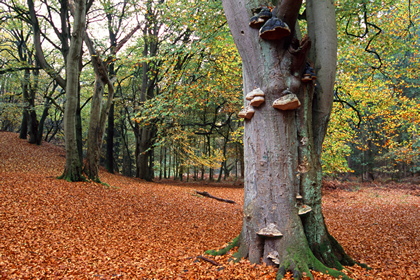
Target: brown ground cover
52, 229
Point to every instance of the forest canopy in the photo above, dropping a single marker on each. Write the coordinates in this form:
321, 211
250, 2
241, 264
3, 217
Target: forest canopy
177, 86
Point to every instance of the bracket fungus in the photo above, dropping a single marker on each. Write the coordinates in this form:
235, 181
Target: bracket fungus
258, 20
254, 93
270, 231
274, 29
288, 101
274, 257
257, 101
256, 97
309, 74
246, 113
304, 209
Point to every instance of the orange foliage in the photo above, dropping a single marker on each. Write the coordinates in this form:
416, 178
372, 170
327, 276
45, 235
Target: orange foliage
52, 229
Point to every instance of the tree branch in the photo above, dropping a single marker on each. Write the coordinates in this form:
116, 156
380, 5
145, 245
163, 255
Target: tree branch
206, 194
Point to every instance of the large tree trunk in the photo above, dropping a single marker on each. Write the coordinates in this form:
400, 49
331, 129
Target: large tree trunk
98, 113
95, 133
144, 153
279, 145
314, 117
73, 167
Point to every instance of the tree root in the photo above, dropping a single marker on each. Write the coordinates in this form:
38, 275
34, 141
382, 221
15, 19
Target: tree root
72, 178
332, 254
234, 243
301, 265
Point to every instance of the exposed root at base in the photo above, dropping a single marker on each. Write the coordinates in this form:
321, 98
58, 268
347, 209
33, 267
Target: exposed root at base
231, 245
301, 267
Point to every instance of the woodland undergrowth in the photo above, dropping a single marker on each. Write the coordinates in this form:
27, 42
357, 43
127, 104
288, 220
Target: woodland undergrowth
132, 229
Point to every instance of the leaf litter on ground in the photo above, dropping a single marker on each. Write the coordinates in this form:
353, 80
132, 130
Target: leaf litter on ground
132, 229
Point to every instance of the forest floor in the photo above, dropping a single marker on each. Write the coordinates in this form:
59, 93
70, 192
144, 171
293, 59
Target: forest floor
53, 229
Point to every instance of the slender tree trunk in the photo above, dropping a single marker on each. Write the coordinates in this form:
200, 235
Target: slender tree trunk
33, 120
73, 167
42, 120
98, 113
29, 118
95, 133
170, 165
127, 165
24, 125
165, 163
110, 141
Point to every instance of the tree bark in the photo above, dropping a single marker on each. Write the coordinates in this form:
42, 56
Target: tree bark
279, 146
110, 132
144, 153
314, 116
73, 167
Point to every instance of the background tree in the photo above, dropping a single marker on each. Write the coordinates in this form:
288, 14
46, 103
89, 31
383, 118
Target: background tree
73, 168
376, 105
194, 80
104, 76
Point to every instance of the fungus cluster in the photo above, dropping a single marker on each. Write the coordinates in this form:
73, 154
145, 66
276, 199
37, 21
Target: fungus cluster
261, 16
308, 74
255, 98
271, 27
274, 257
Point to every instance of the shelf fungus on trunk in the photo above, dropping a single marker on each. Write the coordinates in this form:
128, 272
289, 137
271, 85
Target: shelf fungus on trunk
258, 20
309, 74
256, 97
257, 101
274, 257
304, 209
270, 231
274, 29
246, 113
288, 101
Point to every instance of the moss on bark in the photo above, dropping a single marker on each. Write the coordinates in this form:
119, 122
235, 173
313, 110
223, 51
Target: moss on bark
301, 262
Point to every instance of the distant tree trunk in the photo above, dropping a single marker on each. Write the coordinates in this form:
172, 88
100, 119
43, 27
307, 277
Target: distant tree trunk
165, 163
109, 159
95, 133
42, 121
169, 165
98, 113
144, 153
73, 168
25, 114
280, 145
33, 120
127, 165
24, 125
29, 119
